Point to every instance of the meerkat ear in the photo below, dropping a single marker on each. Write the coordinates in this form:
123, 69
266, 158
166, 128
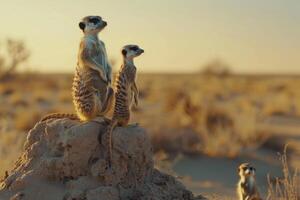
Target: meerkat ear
81, 26
124, 52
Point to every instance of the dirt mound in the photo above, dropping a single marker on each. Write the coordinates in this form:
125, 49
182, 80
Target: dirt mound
63, 160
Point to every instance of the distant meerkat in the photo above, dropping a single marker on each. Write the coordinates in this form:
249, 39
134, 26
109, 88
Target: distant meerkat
91, 90
126, 94
246, 188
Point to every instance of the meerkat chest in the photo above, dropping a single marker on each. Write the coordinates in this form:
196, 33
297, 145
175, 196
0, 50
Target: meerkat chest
249, 185
101, 47
123, 84
97, 49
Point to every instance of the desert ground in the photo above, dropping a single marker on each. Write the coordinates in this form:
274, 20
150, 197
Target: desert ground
202, 126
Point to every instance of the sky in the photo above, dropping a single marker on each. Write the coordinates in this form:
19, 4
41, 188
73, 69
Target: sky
178, 36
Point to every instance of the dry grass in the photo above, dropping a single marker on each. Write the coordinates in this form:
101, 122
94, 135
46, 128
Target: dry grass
11, 143
184, 113
213, 116
286, 188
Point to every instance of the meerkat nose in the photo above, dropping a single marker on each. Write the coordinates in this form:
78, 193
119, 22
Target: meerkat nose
105, 23
142, 50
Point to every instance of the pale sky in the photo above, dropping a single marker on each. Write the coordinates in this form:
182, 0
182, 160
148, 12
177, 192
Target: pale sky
177, 35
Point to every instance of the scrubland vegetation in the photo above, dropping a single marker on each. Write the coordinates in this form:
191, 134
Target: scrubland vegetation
196, 115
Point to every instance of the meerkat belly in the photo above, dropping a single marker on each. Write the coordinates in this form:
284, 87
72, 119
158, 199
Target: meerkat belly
121, 105
98, 84
82, 92
122, 99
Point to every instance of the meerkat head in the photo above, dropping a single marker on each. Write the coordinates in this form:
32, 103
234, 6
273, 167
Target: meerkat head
92, 24
246, 170
131, 51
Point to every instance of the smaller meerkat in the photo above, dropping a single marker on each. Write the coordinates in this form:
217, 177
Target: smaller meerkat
126, 92
246, 188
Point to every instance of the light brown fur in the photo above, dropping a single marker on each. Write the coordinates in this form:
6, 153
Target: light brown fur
126, 94
91, 91
246, 188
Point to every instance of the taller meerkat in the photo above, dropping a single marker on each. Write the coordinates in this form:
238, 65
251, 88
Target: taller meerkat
91, 91
126, 94
246, 188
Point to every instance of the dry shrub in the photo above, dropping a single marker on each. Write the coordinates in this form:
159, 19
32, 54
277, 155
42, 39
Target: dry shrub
225, 131
175, 141
278, 104
26, 120
41, 96
18, 99
65, 97
286, 188
224, 127
5, 90
173, 97
216, 120
16, 54
10, 145
223, 143
217, 132
216, 68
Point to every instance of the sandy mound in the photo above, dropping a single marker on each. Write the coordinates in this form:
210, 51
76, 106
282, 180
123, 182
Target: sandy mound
63, 160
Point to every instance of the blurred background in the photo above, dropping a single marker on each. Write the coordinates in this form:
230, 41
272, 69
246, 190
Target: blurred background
219, 81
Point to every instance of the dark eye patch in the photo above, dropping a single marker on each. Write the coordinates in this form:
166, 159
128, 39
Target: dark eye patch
134, 48
94, 20
124, 52
81, 25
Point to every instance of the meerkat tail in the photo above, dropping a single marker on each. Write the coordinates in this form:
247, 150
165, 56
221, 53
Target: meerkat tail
59, 116
108, 141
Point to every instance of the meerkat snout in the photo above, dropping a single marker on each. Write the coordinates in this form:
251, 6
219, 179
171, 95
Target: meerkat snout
250, 170
246, 169
131, 51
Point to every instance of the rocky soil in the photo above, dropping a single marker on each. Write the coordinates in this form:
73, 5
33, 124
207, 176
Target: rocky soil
63, 160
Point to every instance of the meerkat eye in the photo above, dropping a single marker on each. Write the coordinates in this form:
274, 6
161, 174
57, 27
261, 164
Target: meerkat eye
94, 20
134, 48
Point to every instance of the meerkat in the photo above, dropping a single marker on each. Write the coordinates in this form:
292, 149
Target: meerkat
246, 188
126, 94
91, 89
